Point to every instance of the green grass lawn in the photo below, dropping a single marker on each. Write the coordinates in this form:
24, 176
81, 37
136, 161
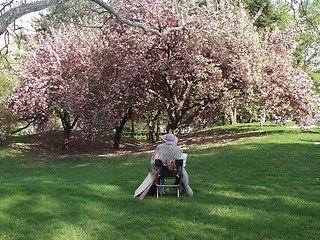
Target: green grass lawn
254, 188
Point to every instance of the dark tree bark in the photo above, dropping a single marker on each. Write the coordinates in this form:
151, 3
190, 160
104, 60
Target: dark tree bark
153, 128
119, 129
68, 125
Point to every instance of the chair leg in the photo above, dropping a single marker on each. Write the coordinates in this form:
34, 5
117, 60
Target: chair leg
162, 188
157, 192
178, 191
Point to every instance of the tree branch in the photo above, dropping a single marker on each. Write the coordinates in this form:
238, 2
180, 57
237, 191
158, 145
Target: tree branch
263, 5
13, 14
123, 20
22, 128
16, 131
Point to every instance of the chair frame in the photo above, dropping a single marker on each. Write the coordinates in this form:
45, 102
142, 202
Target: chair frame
164, 174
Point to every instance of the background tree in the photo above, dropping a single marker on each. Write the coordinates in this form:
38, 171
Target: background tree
72, 11
266, 13
308, 51
281, 13
203, 67
120, 63
81, 75
101, 77
286, 91
11, 10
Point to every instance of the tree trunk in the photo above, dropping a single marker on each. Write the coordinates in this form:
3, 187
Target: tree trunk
250, 116
67, 134
233, 116
152, 128
262, 119
67, 127
172, 127
223, 119
132, 128
240, 117
117, 137
158, 129
119, 129
151, 134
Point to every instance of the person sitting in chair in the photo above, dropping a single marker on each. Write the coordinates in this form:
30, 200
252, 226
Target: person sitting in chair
170, 150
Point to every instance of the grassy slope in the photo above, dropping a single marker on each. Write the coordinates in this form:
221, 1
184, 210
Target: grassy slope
263, 187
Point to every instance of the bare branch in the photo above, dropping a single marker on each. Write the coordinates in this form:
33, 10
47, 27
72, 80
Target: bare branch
263, 5
123, 20
22, 128
16, 131
5, 5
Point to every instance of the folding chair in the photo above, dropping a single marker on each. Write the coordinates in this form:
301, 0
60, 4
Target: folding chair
169, 172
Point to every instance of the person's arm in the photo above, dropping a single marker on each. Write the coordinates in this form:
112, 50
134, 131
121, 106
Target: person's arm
152, 159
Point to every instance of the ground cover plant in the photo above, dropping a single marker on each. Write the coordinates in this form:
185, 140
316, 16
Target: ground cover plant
249, 182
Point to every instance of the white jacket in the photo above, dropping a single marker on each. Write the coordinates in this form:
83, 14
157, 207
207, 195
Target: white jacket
170, 151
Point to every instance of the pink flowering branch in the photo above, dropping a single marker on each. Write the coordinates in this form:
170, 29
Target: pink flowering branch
123, 20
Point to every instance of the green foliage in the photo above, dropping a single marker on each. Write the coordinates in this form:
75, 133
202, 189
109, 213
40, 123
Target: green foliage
5, 86
307, 54
315, 77
7, 119
201, 2
274, 12
264, 185
281, 13
74, 11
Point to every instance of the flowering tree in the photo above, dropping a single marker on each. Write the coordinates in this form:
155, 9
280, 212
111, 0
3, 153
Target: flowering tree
53, 79
100, 77
202, 68
217, 63
285, 90
81, 75
119, 63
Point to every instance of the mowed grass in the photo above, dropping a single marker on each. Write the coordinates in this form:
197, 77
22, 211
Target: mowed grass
262, 187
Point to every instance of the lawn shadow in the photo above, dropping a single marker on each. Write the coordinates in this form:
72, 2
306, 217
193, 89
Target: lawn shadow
251, 191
